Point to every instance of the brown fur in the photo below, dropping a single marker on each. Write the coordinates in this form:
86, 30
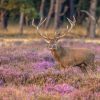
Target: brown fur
81, 57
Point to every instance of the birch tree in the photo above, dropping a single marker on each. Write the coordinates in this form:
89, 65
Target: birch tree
57, 14
50, 13
42, 8
92, 20
21, 22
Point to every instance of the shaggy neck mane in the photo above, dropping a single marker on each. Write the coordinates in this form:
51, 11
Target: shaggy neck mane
59, 54
61, 51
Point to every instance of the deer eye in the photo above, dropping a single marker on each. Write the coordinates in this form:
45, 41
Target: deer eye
54, 46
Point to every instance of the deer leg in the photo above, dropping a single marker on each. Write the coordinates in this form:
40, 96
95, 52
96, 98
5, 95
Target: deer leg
59, 66
93, 67
92, 64
83, 68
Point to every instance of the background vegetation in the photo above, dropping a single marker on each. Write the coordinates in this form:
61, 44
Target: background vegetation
19, 13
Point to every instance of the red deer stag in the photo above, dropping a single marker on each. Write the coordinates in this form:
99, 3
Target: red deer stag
67, 56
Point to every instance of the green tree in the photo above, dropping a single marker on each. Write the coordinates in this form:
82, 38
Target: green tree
25, 9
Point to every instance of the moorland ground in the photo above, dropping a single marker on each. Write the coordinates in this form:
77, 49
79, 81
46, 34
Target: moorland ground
28, 71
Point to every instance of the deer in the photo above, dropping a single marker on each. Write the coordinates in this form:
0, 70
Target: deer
67, 56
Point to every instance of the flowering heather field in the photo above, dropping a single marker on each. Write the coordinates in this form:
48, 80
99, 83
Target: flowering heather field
29, 72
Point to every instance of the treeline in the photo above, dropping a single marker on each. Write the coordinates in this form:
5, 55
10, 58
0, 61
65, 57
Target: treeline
56, 11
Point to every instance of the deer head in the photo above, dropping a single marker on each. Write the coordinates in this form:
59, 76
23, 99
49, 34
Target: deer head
52, 42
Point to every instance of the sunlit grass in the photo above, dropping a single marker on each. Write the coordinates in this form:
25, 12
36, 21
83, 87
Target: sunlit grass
30, 32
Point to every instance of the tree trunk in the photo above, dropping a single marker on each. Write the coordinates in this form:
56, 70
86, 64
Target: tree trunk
79, 16
2, 19
26, 20
42, 8
57, 14
71, 5
92, 20
2, 1
50, 13
21, 23
2, 16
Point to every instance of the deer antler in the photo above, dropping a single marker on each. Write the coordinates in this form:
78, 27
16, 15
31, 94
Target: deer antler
38, 26
57, 33
72, 24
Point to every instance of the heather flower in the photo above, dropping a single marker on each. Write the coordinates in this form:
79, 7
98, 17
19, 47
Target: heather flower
1, 82
60, 88
46, 55
64, 88
43, 65
4, 59
98, 68
27, 64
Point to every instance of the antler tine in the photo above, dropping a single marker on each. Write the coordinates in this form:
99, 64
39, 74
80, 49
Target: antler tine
74, 20
37, 27
41, 22
72, 23
58, 35
84, 11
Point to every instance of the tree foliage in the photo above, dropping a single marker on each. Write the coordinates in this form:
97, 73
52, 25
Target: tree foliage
32, 9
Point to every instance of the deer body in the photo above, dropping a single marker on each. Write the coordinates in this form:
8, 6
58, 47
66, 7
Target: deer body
67, 56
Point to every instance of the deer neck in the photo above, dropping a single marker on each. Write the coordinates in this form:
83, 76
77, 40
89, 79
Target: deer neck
58, 54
